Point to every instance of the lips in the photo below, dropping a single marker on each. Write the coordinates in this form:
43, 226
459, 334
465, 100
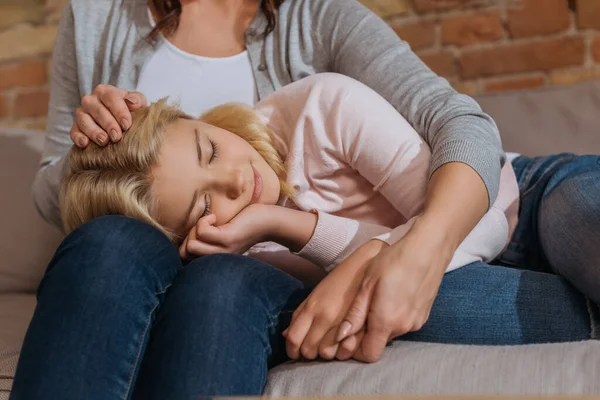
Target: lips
258, 187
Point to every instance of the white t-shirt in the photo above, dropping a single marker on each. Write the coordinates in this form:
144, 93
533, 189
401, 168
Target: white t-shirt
197, 83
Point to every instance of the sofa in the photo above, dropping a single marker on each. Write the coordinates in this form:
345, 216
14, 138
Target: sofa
533, 122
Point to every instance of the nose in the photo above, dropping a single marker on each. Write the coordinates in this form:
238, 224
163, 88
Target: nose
233, 184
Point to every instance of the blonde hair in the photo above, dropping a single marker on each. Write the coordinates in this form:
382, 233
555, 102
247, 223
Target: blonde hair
116, 179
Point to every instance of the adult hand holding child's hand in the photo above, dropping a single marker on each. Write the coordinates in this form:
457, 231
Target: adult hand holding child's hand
246, 229
396, 295
315, 322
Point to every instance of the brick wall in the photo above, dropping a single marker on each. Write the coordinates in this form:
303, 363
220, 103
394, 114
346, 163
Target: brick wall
478, 45
27, 33
497, 45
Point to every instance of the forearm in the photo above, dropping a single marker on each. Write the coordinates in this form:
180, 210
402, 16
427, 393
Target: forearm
456, 201
452, 124
291, 228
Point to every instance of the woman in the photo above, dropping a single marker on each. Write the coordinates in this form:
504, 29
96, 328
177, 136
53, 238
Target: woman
86, 287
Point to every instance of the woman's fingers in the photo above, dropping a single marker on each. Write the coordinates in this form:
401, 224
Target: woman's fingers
89, 127
135, 100
113, 99
78, 138
103, 117
106, 114
350, 346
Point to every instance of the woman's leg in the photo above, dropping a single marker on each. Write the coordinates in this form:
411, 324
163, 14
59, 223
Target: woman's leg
219, 329
492, 305
95, 306
559, 226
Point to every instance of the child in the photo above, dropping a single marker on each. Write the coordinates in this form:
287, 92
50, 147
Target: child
319, 167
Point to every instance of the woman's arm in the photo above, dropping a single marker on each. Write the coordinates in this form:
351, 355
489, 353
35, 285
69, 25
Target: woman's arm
359, 44
64, 99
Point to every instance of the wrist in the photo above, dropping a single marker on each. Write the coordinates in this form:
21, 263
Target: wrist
290, 228
438, 235
439, 243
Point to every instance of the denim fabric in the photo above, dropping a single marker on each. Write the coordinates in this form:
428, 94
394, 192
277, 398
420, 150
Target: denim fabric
119, 317
559, 219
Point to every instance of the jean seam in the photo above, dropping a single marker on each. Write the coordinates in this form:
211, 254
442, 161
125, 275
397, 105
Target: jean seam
144, 333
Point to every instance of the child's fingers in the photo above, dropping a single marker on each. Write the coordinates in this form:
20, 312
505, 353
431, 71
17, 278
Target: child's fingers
209, 219
296, 333
198, 248
207, 232
329, 346
183, 253
310, 345
182, 249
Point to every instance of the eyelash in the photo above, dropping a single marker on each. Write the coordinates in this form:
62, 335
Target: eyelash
207, 207
213, 157
215, 152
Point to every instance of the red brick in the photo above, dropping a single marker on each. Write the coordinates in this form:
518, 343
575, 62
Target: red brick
441, 63
23, 74
588, 14
418, 35
4, 106
515, 84
596, 48
471, 29
538, 17
545, 55
32, 104
427, 6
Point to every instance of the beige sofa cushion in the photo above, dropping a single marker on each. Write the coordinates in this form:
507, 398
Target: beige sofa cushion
429, 369
15, 313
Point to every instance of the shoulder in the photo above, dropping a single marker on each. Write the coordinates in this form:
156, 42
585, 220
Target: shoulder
321, 10
93, 17
96, 9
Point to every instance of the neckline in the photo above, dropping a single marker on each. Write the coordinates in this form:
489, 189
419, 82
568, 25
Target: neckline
192, 56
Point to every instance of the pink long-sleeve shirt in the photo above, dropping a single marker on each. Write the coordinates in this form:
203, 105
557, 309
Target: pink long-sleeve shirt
355, 161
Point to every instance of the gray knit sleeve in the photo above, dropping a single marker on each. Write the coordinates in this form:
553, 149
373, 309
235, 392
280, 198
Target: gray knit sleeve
64, 99
357, 43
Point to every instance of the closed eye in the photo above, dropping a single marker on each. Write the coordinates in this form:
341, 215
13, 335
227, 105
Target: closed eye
207, 206
215, 151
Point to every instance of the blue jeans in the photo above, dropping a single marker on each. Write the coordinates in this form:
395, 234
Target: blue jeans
119, 317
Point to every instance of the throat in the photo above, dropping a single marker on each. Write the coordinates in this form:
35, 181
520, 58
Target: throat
214, 28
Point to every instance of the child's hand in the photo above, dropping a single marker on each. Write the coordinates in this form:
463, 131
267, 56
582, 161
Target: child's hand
314, 327
245, 230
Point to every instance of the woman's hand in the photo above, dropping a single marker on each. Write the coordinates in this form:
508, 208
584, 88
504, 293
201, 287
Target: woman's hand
249, 227
397, 292
314, 325
104, 115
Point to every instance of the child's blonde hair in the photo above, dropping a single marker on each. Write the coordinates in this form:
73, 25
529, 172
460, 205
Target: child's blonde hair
117, 179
